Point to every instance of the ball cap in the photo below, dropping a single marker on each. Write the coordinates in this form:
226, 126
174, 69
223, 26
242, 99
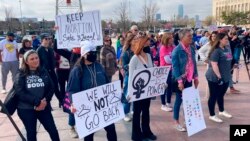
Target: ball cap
11, 34
87, 46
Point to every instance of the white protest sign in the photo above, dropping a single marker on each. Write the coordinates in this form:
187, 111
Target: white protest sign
198, 24
64, 63
192, 110
76, 27
97, 108
213, 28
148, 82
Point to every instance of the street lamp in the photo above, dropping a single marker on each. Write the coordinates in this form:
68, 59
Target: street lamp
20, 3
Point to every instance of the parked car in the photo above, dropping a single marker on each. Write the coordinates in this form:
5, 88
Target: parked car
1, 38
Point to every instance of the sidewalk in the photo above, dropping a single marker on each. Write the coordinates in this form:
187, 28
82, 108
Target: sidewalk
161, 122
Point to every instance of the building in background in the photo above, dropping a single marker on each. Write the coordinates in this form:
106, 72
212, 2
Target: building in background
229, 5
180, 11
24, 19
197, 17
158, 17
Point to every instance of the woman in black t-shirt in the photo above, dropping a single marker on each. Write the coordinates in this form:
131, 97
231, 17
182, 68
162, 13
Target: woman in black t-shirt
26, 46
34, 90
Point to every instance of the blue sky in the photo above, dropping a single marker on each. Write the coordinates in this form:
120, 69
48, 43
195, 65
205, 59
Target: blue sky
167, 8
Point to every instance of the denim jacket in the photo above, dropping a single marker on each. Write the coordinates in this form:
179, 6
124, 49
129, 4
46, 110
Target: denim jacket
179, 62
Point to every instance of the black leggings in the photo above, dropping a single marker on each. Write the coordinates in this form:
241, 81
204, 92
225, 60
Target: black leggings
29, 118
111, 134
217, 93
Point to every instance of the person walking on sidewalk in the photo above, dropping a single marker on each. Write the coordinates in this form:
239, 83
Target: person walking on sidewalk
34, 90
218, 76
184, 71
166, 50
88, 74
141, 117
9, 59
47, 60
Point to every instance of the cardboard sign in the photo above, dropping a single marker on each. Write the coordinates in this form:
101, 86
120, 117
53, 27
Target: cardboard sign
76, 27
192, 110
97, 108
148, 82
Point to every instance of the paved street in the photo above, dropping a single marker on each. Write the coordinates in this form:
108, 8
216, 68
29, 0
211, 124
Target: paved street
161, 122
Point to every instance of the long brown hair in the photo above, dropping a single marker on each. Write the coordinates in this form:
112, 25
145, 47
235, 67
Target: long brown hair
25, 41
140, 43
216, 44
165, 38
210, 38
128, 42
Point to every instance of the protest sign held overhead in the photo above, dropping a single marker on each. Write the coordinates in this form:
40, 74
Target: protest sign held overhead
97, 108
148, 82
192, 110
76, 27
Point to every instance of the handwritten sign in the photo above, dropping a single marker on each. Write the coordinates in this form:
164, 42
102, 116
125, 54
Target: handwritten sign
148, 82
192, 110
212, 28
64, 63
198, 24
77, 27
97, 108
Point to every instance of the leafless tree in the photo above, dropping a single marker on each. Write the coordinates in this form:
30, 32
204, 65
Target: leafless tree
8, 16
149, 11
122, 13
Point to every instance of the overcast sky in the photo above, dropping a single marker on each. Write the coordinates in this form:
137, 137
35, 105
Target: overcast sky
46, 8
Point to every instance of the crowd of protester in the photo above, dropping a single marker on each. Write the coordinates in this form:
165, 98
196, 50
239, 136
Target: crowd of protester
46, 70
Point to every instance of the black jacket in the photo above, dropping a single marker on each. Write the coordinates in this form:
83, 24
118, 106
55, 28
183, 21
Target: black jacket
27, 100
70, 56
47, 58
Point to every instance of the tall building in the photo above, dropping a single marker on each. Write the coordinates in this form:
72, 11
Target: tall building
158, 17
229, 5
180, 11
197, 17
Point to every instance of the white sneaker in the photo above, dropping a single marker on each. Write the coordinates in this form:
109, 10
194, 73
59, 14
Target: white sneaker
166, 108
127, 118
215, 119
132, 112
225, 114
3, 91
73, 133
180, 128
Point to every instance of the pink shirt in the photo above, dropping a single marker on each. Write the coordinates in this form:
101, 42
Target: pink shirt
190, 65
165, 50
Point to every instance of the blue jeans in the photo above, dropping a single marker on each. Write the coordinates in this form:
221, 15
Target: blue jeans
29, 118
237, 52
167, 91
126, 106
71, 121
178, 100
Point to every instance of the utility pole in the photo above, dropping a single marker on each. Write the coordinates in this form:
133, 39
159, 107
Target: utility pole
63, 5
20, 3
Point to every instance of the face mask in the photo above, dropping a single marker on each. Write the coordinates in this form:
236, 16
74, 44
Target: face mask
146, 49
91, 57
10, 40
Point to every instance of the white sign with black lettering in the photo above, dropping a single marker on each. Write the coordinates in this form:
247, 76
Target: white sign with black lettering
148, 82
192, 110
76, 27
97, 108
